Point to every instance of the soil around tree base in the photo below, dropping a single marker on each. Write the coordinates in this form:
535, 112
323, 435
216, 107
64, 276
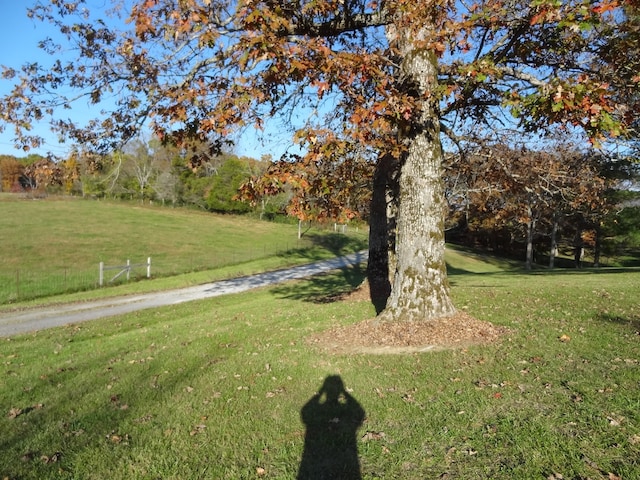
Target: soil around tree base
372, 336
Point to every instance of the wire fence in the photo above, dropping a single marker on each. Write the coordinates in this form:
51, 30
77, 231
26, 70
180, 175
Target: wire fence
24, 284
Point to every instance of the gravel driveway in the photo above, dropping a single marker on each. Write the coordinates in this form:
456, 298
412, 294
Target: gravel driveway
13, 323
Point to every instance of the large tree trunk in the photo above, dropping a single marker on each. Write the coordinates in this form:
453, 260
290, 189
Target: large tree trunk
382, 231
420, 289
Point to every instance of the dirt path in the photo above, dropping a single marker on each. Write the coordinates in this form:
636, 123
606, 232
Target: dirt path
13, 323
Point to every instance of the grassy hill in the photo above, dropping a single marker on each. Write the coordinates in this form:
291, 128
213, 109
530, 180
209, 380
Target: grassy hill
52, 246
219, 388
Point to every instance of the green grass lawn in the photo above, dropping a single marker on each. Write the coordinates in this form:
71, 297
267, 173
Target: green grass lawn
55, 246
216, 389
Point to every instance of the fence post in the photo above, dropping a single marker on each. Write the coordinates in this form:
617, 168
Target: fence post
128, 269
148, 267
101, 277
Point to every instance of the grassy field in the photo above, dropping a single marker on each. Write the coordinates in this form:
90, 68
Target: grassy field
218, 389
54, 246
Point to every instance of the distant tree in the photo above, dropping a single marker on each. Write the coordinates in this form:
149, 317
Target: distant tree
165, 187
91, 173
619, 227
525, 191
10, 172
141, 165
45, 175
70, 173
224, 187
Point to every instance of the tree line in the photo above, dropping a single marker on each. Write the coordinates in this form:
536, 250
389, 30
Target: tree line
537, 205
146, 172
534, 205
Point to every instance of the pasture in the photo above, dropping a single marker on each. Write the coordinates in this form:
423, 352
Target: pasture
219, 389
55, 246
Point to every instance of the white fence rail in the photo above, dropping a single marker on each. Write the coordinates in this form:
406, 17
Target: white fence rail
123, 269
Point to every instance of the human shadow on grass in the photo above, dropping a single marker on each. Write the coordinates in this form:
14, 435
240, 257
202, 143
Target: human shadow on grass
332, 418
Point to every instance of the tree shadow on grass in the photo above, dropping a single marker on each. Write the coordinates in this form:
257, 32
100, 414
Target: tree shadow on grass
78, 417
334, 286
332, 418
325, 288
338, 243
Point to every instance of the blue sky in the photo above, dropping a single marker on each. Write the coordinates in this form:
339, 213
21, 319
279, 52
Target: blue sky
19, 37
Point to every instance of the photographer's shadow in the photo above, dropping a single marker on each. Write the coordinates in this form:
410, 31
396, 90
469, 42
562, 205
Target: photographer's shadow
332, 418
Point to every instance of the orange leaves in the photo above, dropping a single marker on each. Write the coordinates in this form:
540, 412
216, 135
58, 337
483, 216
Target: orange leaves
142, 18
605, 6
582, 101
548, 12
321, 87
359, 116
329, 182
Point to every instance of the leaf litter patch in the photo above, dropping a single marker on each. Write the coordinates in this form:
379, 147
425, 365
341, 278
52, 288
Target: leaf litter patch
375, 337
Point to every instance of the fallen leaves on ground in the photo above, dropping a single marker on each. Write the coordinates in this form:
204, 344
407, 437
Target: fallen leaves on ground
373, 436
51, 458
16, 412
198, 429
373, 336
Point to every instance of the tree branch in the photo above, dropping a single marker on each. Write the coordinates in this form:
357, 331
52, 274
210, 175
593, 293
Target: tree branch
341, 23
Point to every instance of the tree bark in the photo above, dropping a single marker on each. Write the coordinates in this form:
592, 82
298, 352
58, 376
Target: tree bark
530, 230
531, 225
420, 289
553, 251
382, 231
578, 247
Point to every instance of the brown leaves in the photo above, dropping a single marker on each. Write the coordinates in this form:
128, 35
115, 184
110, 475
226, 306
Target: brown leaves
502, 185
197, 429
15, 412
116, 402
321, 186
52, 458
370, 435
117, 438
604, 473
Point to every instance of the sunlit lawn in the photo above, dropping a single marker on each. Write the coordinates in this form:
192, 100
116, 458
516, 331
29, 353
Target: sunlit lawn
214, 389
